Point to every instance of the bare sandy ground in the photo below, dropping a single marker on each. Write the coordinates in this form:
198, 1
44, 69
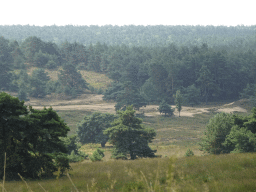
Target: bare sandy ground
93, 102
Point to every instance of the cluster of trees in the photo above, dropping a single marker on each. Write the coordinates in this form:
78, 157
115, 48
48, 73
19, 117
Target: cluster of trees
123, 130
141, 75
227, 133
35, 142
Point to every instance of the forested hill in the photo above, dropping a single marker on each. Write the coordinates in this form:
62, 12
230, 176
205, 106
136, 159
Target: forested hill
227, 37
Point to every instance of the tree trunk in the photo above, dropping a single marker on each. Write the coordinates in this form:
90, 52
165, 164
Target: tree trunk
103, 144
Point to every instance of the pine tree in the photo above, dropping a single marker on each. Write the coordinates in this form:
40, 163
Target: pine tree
129, 137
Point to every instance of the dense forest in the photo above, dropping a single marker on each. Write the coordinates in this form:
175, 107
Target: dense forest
147, 64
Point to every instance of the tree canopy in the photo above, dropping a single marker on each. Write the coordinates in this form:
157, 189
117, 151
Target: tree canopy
91, 128
30, 139
129, 137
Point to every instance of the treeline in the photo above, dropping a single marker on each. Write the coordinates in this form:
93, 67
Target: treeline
141, 74
234, 37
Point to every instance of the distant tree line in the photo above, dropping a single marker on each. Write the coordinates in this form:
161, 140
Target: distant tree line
235, 37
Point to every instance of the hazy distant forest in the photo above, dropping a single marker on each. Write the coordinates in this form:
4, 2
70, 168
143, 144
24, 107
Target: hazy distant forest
206, 63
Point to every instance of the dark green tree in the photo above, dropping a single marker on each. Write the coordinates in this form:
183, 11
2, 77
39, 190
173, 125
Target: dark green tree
240, 140
5, 61
191, 95
205, 82
130, 96
41, 59
178, 101
129, 137
165, 108
91, 128
71, 80
30, 139
38, 82
217, 130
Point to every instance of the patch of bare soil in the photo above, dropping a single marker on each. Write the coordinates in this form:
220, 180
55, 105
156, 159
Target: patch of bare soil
93, 102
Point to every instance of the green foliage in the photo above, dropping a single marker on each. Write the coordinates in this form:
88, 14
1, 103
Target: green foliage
165, 108
191, 95
178, 101
240, 140
41, 59
217, 130
73, 157
130, 96
250, 93
71, 81
97, 155
31, 139
71, 143
189, 153
91, 128
113, 92
149, 91
51, 64
38, 82
230, 134
129, 137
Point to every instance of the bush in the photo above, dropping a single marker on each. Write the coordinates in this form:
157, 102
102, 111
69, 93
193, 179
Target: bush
189, 153
73, 157
218, 128
97, 155
240, 140
165, 108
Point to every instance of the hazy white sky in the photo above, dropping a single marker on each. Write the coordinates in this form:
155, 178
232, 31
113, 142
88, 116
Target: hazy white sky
127, 12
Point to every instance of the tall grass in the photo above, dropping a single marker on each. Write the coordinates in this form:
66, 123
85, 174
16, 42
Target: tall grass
216, 173
138, 175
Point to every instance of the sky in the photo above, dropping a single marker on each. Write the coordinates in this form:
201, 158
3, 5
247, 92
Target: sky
128, 12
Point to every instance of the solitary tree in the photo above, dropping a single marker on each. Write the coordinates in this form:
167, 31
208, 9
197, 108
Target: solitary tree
165, 108
178, 101
90, 129
129, 137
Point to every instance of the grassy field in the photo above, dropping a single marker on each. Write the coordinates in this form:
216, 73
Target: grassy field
171, 172
216, 173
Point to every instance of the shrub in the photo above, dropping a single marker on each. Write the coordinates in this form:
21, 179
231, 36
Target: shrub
189, 153
77, 157
218, 128
97, 155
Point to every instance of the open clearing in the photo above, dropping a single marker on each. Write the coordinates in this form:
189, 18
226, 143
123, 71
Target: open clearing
93, 102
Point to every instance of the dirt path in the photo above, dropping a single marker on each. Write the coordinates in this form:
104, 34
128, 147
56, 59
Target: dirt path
92, 102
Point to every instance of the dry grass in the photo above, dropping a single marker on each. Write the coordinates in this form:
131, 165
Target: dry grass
96, 80
216, 173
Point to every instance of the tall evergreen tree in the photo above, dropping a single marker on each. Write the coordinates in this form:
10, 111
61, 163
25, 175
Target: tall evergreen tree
129, 137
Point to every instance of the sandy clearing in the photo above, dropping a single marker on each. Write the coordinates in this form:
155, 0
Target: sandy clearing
93, 102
